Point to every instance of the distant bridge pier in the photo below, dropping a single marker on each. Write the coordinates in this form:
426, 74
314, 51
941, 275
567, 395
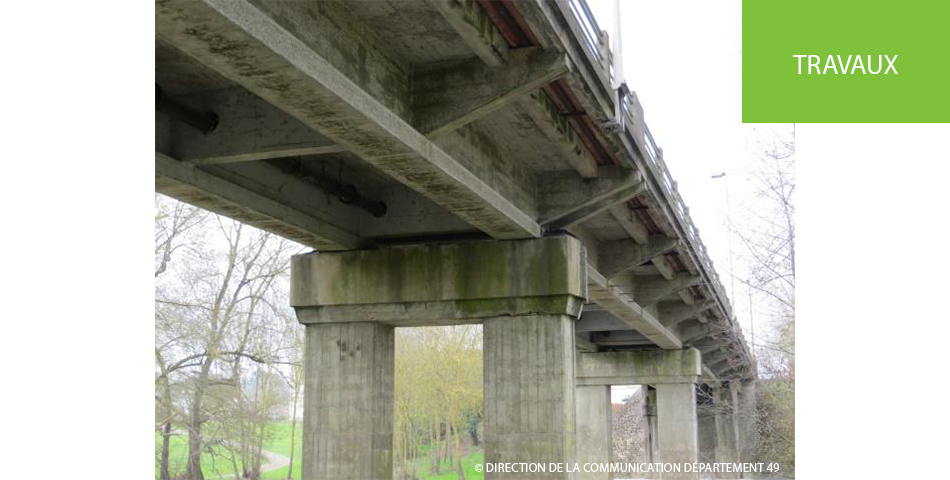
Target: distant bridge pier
673, 374
527, 293
594, 429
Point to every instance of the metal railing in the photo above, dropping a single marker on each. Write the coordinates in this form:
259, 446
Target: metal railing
656, 168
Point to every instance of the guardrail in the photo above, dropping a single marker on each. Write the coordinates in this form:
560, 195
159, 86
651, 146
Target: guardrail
633, 126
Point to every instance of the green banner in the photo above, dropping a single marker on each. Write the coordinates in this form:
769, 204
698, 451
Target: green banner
845, 61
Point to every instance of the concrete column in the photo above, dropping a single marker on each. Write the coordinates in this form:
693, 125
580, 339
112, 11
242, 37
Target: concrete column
652, 454
594, 428
651, 424
677, 426
529, 391
527, 293
673, 374
348, 401
706, 431
745, 415
725, 403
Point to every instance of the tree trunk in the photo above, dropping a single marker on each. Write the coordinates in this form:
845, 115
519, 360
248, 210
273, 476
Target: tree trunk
193, 468
458, 453
166, 437
293, 430
166, 430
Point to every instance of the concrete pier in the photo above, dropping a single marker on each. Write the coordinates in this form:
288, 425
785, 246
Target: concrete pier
673, 374
527, 293
529, 392
348, 401
594, 428
725, 401
677, 426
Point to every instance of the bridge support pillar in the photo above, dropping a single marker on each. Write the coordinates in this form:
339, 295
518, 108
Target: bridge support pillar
526, 292
673, 374
529, 392
745, 413
706, 417
677, 427
652, 454
725, 403
348, 401
594, 428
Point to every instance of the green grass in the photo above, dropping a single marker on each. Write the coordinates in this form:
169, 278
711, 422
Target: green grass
475, 456
211, 465
280, 443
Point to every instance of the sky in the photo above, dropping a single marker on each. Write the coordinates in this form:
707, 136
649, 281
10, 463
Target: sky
691, 93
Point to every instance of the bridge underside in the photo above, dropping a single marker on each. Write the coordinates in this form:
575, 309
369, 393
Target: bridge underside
390, 137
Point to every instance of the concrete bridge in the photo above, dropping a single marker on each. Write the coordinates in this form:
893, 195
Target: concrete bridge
456, 162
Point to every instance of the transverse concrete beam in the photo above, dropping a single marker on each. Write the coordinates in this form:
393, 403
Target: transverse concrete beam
670, 316
639, 367
445, 100
652, 291
620, 305
592, 198
249, 129
622, 255
246, 45
258, 208
475, 28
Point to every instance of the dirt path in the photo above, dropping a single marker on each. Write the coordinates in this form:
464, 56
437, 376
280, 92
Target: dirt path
275, 461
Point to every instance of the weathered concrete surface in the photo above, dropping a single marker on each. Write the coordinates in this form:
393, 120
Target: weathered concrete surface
447, 99
306, 76
441, 284
348, 401
594, 429
745, 421
639, 367
677, 440
465, 119
613, 300
529, 392
652, 443
725, 402
706, 433
290, 220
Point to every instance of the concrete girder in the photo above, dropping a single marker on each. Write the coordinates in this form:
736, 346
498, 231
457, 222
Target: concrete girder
555, 126
595, 204
662, 265
630, 223
619, 338
695, 332
620, 305
714, 357
584, 345
264, 208
246, 45
706, 347
622, 255
249, 129
599, 321
643, 367
673, 315
447, 99
562, 194
652, 291
476, 30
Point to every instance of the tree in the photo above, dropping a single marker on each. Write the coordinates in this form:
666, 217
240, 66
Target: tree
218, 310
768, 238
